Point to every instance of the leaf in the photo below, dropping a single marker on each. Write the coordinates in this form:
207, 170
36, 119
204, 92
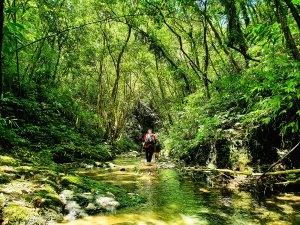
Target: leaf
266, 120
11, 9
296, 2
282, 112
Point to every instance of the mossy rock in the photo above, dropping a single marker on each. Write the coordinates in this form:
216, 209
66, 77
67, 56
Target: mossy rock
50, 174
72, 180
18, 214
4, 178
53, 185
51, 215
82, 200
47, 198
7, 161
25, 171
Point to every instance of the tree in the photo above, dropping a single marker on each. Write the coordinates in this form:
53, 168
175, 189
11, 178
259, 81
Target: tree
1, 43
290, 42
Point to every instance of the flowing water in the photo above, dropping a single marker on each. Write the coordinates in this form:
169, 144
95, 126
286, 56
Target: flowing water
175, 200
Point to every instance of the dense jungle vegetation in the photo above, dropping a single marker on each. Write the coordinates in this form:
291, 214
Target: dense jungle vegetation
82, 80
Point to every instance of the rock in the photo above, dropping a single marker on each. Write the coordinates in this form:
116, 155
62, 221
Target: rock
89, 166
48, 198
110, 194
74, 210
4, 178
8, 161
26, 191
132, 194
108, 203
98, 164
25, 171
111, 165
90, 206
66, 195
23, 215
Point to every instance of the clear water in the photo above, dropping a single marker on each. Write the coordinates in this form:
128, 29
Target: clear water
173, 199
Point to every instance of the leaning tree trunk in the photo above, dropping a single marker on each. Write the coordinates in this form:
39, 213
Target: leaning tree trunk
225, 50
294, 11
290, 42
1, 40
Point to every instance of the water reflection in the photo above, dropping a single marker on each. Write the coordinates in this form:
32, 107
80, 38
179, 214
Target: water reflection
173, 199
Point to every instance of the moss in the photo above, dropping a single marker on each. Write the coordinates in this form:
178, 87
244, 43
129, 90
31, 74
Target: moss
47, 197
53, 185
99, 187
18, 214
7, 161
4, 178
72, 180
25, 171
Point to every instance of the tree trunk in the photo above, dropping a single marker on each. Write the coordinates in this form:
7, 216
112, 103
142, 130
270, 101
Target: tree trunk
290, 42
245, 13
1, 40
236, 39
118, 66
294, 11
17, 52
206, 58
162, 90
225, 50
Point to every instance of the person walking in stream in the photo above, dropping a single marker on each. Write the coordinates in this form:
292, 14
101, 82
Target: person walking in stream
149, 144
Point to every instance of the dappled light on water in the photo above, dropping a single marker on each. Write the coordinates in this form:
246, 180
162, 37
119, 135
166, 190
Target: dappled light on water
147, 218
177, 200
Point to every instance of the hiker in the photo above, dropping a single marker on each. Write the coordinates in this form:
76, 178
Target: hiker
149, 144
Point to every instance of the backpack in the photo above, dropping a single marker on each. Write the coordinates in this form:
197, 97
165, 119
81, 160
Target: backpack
149, 138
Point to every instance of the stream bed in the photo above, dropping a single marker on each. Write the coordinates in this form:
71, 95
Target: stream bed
178, 200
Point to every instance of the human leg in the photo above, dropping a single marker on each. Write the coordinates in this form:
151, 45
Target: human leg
149, 153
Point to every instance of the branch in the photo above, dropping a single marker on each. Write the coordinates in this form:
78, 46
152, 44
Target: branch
278, 161
69, 29
246, 56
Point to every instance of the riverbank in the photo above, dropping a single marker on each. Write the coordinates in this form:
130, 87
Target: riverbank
34, 194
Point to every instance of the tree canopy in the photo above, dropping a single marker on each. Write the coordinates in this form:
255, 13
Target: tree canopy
193, 69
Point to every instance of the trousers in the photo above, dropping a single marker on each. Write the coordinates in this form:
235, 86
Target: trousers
149, 153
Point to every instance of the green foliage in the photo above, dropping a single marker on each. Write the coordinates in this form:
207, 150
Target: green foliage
126, 144
78, 77
267, 95
71, 153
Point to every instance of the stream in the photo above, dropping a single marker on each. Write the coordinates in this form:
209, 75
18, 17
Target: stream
178, 200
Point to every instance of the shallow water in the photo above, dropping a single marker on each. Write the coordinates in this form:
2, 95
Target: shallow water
176, 200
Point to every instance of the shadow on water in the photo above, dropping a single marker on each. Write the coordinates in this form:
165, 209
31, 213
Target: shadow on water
175, 200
